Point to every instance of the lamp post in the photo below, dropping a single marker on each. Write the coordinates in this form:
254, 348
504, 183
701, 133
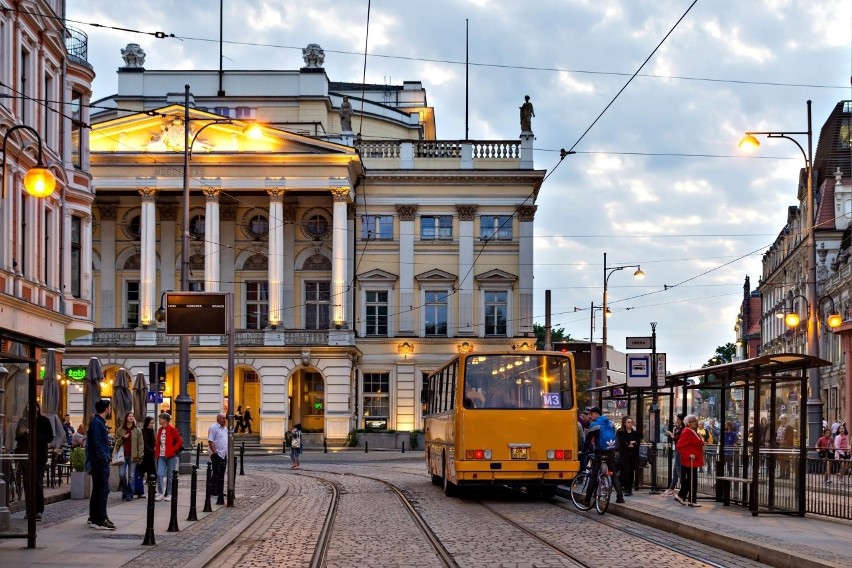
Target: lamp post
592, 357
814, 400
183, 402
609, 271
39, 181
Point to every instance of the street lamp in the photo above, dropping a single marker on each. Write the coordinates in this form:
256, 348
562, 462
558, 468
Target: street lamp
609, 271
832, 320
749, 141
592, 368
39, 181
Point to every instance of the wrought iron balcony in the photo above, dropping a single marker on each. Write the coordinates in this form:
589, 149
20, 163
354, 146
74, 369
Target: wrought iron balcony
123, 337
77, 43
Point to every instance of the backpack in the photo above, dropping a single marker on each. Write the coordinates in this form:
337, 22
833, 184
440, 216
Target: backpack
606, 436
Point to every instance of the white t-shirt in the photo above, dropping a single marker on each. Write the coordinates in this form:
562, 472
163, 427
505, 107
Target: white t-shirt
163, 443
218, 436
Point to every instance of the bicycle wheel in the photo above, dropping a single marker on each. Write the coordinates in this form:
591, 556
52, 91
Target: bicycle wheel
603, 493
578, 491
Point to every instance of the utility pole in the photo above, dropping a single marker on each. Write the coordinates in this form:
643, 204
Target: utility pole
655, 411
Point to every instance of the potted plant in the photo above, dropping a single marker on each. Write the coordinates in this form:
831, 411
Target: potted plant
81, 483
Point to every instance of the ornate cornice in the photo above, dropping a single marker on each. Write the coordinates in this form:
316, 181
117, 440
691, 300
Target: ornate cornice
276, 193
406, 212
211, 193
466, 212
340, 192
526, 213
148, 193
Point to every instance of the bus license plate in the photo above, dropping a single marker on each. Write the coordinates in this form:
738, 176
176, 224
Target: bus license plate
519, 453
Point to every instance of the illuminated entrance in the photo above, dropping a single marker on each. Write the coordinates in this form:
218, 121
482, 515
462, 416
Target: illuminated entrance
306, 395
246, 394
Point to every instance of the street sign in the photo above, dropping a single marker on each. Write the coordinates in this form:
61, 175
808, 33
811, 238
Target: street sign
639, 370
639, 343
155, 397
661, 369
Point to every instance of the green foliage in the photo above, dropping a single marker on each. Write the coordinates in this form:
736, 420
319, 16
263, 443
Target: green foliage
556, 334
724, 354
584, 398
352, 438
413, 438
78, 459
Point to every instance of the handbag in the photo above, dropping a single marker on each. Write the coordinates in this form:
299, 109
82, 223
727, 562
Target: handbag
118, 456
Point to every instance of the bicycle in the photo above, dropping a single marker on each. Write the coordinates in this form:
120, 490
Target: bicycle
602, 493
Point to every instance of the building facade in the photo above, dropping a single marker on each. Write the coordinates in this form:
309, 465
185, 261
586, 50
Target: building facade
361, 251
45, 269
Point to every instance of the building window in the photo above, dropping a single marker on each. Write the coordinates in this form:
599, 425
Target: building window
317, 305
196, 226
256, 225
495, 227
25, 89
257, 305
496, 305
376, 400
435, 312
77, 126
376, 227
76, 255
377, 313
436, 227
196, 285
316, 224
313, 400
131, 303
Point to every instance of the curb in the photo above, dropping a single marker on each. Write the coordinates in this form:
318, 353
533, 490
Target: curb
19, 506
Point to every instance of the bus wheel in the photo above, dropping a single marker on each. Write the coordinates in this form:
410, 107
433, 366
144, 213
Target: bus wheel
449, 486
436, 480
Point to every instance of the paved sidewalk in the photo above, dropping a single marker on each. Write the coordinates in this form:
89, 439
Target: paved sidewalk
776, 540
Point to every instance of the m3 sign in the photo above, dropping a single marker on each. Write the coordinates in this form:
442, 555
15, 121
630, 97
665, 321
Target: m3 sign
196, 313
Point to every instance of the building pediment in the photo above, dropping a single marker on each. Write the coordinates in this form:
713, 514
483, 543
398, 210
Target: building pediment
161, 131
377, 275
435, 275
496, 275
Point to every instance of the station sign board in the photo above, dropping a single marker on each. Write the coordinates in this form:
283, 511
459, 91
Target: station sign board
196, 313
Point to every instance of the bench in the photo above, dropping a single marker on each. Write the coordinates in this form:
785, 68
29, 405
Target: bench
726, 487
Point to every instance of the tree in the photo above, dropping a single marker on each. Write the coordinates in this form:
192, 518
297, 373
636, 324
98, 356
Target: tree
556, 334
724, 354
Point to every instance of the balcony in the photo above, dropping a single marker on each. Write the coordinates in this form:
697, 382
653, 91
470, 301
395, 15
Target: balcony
447, 154
123, 337
77, 44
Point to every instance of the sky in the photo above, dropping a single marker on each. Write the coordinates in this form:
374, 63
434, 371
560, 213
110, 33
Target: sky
657, 180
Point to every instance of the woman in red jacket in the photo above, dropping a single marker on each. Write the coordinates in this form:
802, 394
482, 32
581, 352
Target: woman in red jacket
167, 445
690, 446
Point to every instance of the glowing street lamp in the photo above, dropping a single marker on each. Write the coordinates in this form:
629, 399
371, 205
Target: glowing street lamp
38, 181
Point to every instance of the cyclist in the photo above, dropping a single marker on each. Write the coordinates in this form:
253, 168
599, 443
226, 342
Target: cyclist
596, 445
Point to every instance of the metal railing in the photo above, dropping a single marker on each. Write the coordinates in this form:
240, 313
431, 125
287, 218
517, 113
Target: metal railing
77, 43
122, 337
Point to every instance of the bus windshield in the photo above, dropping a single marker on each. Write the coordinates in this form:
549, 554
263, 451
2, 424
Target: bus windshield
524, 381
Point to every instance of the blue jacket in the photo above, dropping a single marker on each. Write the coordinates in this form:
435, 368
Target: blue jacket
99, 451
592, 434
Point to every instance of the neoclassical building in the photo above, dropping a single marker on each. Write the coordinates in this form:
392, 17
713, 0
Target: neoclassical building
362, 252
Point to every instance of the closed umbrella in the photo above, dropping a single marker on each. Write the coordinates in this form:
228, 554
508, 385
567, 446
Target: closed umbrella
50, 399
140, 397
13, 396
122, 399
92, 388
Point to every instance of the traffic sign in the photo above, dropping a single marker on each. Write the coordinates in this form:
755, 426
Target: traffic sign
639, 343
639, 370
155, 397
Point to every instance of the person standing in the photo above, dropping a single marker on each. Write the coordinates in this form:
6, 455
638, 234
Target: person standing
149, 464
43, 437
784, 439
98, 457
217, 444
129, 438
690, 446
674, 435
629, 441
825, 451
841, 444
166, 448
238, 419
69, 430
247, 419
730, 439
296, 446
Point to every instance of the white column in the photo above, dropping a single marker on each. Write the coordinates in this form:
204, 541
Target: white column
340, 251
465, 322
148, 269
406, 214
212, 266
526, 215
86, 291
168, 259
107, 294
276, 251
227, 234
288, 317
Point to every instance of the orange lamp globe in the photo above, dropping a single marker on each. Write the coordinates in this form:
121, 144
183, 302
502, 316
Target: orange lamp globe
40, 182
834, 320
792, 319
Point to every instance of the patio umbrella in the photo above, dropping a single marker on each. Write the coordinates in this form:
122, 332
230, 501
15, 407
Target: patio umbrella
122, 399
140, 397
13, 396
92, 388
50, 399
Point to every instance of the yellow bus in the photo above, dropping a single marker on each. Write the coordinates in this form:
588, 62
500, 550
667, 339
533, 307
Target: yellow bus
507, 418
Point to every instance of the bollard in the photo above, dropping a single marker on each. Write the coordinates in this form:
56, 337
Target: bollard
235, 463
366, 446
242, 458
197, 454
284, 447
403, 446
208, 508
173, 522
324, 445
193, 487
149, 528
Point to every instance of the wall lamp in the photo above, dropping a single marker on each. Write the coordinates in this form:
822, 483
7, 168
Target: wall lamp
39, 181
465, 347
792, 318
160, 314
405, 348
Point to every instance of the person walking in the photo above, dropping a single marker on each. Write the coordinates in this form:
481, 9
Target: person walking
825, 451
674, 435
841, 445
784, 439
167, 445
690, 446
247, 419
296, 446
238, 419
98, 458
217, 444
149, 464
629, 441
129, 438
44, 436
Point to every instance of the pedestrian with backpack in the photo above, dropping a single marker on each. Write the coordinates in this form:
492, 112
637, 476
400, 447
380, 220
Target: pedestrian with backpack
295, 446
602, 441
